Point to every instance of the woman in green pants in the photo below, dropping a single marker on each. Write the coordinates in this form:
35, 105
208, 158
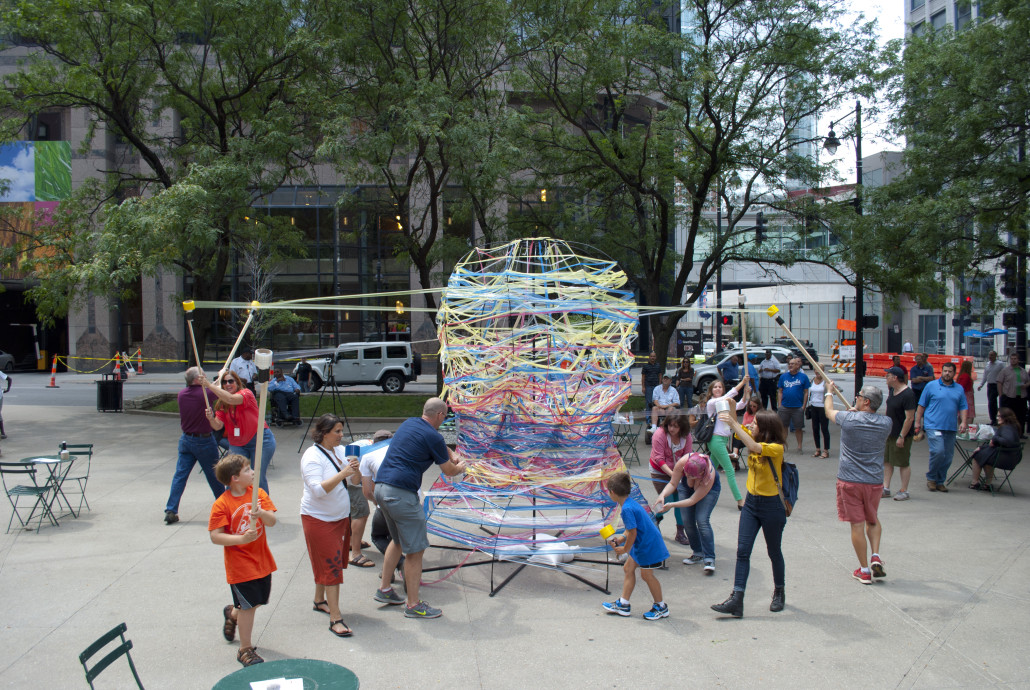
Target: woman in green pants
718, 447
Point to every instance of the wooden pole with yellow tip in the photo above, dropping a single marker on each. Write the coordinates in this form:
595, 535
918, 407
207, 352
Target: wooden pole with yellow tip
188, 306
243, 331
263, 362
774, 312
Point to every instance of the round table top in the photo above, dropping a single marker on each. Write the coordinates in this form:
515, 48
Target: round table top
45, 459
316, 674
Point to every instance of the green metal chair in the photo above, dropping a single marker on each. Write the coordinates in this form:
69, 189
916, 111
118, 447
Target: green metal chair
122, 649
12, 476
84, 453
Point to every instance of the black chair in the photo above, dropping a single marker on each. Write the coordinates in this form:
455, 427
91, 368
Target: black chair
12, 476
123, 648
1007, 460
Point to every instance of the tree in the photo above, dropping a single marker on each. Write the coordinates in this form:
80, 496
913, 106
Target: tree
963, 103
647, 126
209, 104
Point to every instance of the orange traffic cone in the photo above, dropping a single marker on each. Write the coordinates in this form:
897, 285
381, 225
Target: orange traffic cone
139, 362
117, 366
53, 374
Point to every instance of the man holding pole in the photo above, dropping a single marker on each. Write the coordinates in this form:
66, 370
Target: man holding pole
196, 445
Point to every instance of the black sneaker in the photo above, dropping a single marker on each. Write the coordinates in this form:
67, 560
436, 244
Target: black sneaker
170, 517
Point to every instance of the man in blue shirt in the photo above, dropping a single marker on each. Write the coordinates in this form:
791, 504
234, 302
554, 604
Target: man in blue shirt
286, 396
792, 398
415, 448
730, 370
920, 374
942, 407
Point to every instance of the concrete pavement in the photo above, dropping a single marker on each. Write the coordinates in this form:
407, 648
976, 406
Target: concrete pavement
951, 613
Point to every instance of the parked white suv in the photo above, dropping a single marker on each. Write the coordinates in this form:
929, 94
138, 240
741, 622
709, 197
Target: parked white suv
389, 365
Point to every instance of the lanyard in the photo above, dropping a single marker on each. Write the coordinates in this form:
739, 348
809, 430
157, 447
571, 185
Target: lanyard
328, 455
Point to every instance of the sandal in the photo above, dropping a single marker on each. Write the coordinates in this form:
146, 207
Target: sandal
248, 656
317, 606
975, 486
825, 454
365, 544
362, 561
817, 454
229, 627
346, 633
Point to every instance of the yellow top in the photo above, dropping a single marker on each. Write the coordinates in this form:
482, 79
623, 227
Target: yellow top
760, 481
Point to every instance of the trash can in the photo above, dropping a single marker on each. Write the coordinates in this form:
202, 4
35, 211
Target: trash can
109, 394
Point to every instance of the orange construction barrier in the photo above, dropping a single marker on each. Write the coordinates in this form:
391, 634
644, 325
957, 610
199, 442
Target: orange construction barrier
139, 362
53, 374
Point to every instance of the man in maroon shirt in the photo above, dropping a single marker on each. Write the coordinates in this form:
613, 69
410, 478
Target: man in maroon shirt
197, 444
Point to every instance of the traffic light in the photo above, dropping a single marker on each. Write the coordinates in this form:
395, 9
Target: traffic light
759, 228
727, 320
870, 321
1008, 277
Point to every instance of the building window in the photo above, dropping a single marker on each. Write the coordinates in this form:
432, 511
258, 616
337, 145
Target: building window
932, 333
963, 15
938, 21
48, 126
916, 4
919, 29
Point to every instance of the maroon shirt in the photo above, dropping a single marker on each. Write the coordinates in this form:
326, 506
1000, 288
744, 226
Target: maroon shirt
191, 411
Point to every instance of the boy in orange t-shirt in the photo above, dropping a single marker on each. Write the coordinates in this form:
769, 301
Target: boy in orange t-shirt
248, 562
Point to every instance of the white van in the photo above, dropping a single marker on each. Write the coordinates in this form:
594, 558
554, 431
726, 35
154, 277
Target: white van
386, 364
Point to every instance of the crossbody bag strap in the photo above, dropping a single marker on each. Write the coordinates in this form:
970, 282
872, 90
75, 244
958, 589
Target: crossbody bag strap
776, 478
330, 456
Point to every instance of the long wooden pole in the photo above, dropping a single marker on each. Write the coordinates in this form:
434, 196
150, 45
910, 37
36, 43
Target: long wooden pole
243, 331
189, 306
263, 360
774, 312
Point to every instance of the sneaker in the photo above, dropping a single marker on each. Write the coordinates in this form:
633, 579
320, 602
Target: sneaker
876, 565
864, 578
694, 559
932, 486
388, 597
901, 496
943, 489
657, 612
422, 610
886, 493
709, 567
621, 609
170, 517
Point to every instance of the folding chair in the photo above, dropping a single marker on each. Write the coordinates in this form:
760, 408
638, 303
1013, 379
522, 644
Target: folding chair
83, 451
116, 632
13, 472
1007, 460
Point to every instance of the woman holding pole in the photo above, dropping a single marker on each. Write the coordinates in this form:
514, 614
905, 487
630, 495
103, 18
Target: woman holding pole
236, 412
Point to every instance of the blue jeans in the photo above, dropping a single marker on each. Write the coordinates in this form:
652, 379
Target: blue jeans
697, 519
686, 394
194, 449
765, 513
267, 451
288, 404
942, 450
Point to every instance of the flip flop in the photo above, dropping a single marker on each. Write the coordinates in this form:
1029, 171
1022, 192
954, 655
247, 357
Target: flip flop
317, 606
365, 544
346, 633
362, 561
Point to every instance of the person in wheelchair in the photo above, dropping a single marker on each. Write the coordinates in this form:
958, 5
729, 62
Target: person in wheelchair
286, 397
1006, 437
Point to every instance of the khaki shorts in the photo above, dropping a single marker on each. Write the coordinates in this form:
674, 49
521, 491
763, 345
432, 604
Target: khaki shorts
405, 517
897, 457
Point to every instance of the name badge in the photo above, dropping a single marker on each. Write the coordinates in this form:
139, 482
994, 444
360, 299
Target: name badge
236, 432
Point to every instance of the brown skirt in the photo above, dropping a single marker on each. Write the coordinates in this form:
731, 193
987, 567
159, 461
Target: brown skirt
328, 545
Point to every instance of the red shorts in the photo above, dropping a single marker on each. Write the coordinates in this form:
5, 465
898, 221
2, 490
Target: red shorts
328, 547
858, 502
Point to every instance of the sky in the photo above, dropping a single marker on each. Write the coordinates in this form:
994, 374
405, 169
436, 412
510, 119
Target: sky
17, 167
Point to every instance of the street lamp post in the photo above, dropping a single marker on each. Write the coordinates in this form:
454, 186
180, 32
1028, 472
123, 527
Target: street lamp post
830, 144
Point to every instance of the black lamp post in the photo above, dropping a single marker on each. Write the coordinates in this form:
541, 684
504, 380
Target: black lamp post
830, 144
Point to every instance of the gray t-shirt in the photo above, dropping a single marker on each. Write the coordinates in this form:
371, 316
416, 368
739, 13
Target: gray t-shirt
862, 439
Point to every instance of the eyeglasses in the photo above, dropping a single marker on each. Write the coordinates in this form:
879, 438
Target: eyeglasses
228, 382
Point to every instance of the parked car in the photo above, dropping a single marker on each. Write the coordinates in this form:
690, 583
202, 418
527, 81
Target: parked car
6, 361
789, 344
708, 372
934, 347
386, 364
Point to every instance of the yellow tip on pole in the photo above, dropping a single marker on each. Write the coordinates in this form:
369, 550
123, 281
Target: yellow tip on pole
189, 305
773, 310
255, 304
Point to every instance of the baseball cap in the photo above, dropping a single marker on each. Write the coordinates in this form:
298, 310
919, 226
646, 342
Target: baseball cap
897, 371
381, 435
873, 395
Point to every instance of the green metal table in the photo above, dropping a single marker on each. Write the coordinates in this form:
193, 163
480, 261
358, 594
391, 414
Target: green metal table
316, 674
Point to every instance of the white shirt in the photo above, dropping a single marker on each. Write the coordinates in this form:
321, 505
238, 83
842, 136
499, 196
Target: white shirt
907, 347
243, 368
663, 397
3, 384
816, 394
769, 369
991, 371
315, 468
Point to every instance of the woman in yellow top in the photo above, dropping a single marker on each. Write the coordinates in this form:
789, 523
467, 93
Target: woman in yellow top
763, 508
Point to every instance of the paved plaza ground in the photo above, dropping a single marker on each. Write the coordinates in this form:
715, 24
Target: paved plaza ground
952, 611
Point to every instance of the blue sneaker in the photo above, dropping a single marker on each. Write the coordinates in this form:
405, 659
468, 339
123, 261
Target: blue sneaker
388, 597
657, 612
616, 607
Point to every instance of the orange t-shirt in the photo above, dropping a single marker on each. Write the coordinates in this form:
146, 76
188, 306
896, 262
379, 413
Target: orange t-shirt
245, 562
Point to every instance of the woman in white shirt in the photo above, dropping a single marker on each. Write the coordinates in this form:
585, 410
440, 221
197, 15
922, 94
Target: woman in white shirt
718, 446
818, 414
325, 516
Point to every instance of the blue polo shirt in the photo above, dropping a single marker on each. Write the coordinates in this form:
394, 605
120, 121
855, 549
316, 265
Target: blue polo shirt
794, 387
413, 450
729, 370
942, 405
917, 370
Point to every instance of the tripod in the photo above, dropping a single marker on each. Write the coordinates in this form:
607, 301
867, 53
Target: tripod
335, 397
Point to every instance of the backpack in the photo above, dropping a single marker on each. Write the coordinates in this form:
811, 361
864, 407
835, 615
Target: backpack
788, 488
705, 429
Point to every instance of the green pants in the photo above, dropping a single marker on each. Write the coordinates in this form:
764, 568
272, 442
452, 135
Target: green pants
721, 458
